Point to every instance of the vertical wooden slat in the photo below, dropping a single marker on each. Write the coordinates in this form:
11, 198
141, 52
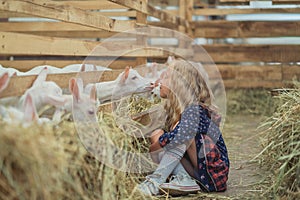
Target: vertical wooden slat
189, 15
182, 11
141, 18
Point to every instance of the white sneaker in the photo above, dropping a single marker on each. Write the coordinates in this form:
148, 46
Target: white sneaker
180, 185
149, 187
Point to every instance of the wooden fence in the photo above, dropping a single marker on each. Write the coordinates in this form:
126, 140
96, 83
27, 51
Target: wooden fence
63, 32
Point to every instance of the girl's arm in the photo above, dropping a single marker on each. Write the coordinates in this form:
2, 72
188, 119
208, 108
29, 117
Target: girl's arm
193, 120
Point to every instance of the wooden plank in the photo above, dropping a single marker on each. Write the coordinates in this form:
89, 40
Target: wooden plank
6, 14
291, 72
252, 84
47, 9
248, 53
25, 65
246, 72
145, 8
285, 2
182, 10
209, 29
56, 29
163, 2
235, 1
91, 5
230, 11
244, 29
24, 44
141, 18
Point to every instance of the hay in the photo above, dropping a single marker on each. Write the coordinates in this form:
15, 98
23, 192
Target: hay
46, 162
281, 147
138, 104
34, 165
249, 101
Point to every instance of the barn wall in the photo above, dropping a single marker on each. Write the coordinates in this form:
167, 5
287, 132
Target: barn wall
252, 44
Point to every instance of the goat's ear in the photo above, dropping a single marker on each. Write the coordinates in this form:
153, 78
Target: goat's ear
30, 113
170, 59
4, 79
127, 72
41, 77
125, 75
74, 89
82, 69
72, 83
93, 93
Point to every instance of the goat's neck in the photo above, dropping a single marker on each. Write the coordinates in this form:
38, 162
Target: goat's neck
105, 90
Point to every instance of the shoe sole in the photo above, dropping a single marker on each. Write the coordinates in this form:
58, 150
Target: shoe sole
180, 191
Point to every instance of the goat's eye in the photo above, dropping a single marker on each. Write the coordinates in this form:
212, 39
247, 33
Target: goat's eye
91, 111
135, 77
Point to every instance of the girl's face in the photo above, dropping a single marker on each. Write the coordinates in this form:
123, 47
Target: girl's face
165, 84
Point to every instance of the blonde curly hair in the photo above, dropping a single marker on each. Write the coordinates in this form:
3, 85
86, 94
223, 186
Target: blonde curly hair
187, 87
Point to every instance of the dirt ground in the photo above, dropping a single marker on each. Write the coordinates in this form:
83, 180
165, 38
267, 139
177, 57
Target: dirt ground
243, 144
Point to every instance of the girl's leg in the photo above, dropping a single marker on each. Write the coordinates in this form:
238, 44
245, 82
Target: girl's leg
155, 147
189, 161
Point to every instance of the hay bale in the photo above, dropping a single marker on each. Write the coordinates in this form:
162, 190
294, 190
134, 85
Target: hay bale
34, 165
281, 142
249, 101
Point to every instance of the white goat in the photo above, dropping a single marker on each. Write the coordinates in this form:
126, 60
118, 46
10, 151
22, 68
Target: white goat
128, 82
83, 68
26, 117
84, 106
44, 92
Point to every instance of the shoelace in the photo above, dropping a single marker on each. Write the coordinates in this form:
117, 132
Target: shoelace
150, 177
177, 178
150, 183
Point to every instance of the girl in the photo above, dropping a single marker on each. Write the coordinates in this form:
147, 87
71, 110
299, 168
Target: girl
191, 148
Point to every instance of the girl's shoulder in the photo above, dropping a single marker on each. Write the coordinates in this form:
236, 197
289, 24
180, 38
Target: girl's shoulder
196, 108
202, 111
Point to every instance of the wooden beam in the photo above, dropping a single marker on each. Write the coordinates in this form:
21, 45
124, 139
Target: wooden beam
225, 53
249, 72
24, 44
48, 9
252, 84
244, 29
6, 14
285, 2
234, 2
26, 65
230, 11
141, 18
207, 29
145, 8
290, 72
91, 4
